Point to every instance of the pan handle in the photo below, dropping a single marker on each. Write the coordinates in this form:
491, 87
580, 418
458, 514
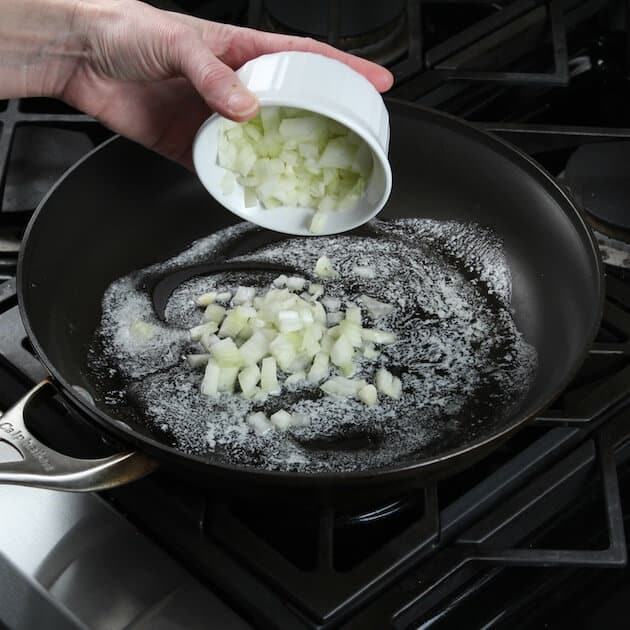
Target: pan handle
43, 467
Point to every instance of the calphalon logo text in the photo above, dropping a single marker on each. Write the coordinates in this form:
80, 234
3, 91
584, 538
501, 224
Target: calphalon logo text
26, 442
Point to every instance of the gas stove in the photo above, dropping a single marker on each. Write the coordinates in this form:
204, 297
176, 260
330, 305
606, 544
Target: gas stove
532, 536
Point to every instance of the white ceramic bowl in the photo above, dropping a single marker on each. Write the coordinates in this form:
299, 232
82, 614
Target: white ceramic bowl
321, 85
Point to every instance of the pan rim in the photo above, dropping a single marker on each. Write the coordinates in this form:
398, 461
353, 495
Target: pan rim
384, 473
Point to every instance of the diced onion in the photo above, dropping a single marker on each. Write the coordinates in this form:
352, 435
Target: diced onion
208, 340
281, 420
388, 384
290, 157
352, 332
248, 378
318, 222
316, 290
210, 382
324, 268
353, 314
319, 313
283, 351
375, 308
296, 377
214, 313
254, 349
207, 298
331, 304
319, 370
223, 296
197, 332
235, 321
288, 321
334, 318
367, 394
226, 354
343, 387
378, 336
228, 183
342, 352
227, 379
306, 339
244, 295
197, 360
268, 376
295, 283
259, 422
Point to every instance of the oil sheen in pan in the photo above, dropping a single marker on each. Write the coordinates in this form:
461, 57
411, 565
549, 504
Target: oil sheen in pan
462, 361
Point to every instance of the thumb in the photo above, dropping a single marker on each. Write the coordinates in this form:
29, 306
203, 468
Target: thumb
217, 83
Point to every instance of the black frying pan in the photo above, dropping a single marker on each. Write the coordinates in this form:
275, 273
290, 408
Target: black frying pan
122, 208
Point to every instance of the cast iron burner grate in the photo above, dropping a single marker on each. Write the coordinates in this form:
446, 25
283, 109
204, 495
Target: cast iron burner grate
34, 119
39, 140
444, 41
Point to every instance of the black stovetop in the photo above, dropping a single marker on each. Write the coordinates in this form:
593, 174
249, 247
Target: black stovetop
532, 536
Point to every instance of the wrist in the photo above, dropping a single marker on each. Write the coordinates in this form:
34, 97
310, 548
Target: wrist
41, 43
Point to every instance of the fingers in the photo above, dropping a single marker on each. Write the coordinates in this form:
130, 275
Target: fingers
246, 43
216, 83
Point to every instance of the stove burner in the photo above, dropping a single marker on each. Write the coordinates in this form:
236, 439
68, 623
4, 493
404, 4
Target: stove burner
349, 533
351, 18
597, 175
376, 31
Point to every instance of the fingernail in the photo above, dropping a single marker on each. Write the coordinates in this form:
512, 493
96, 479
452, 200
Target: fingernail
242, 102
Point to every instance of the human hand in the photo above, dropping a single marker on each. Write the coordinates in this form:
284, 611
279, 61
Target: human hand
155, 76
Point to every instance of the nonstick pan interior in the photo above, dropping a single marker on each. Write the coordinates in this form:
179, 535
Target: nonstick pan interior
123, 208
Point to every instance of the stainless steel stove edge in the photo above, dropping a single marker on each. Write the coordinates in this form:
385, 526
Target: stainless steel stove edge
70, 561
